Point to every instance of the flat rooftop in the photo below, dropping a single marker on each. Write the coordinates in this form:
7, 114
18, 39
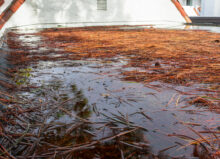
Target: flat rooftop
110, 92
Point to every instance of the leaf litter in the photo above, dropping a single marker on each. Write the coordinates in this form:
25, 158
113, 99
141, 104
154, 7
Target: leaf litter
175, 73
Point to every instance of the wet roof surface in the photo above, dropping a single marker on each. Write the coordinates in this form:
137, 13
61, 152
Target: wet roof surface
88, 105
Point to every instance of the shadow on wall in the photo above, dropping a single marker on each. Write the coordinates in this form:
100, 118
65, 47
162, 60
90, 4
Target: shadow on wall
67, 11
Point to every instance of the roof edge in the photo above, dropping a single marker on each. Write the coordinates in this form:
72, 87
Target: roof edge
182, 11
9, 11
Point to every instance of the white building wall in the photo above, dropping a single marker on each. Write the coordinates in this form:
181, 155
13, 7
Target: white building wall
217, 8
211, 8
190, 10
119, 11
183, 2
197, 3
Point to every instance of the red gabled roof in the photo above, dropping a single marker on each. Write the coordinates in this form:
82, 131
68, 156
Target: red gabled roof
9, 11
181, 10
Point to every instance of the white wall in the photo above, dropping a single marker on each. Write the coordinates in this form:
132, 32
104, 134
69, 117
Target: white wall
197, 3
190, 9
217, 8
119, 11
211, 8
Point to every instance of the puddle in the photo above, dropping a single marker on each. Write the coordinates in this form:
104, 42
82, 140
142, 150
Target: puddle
105, 93
87, 102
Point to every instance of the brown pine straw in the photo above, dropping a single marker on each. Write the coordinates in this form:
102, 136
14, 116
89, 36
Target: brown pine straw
169, 56
173, 56
183, 57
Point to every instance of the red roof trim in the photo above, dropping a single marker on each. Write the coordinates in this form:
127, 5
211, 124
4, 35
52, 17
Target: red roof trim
1, 2
8, 12
182, 11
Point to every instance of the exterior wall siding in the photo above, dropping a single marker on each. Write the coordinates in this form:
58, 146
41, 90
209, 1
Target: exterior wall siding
70, 11
211, 8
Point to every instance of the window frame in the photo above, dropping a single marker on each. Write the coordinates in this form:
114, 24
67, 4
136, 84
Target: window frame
189, 2
102, 5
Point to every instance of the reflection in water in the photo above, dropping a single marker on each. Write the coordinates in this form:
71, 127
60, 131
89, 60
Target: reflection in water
81, 107
69, 127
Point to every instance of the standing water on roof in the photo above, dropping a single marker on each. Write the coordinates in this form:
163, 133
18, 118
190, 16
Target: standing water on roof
108, 92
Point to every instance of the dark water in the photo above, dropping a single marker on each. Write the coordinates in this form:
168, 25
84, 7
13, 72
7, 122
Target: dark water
103, 92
